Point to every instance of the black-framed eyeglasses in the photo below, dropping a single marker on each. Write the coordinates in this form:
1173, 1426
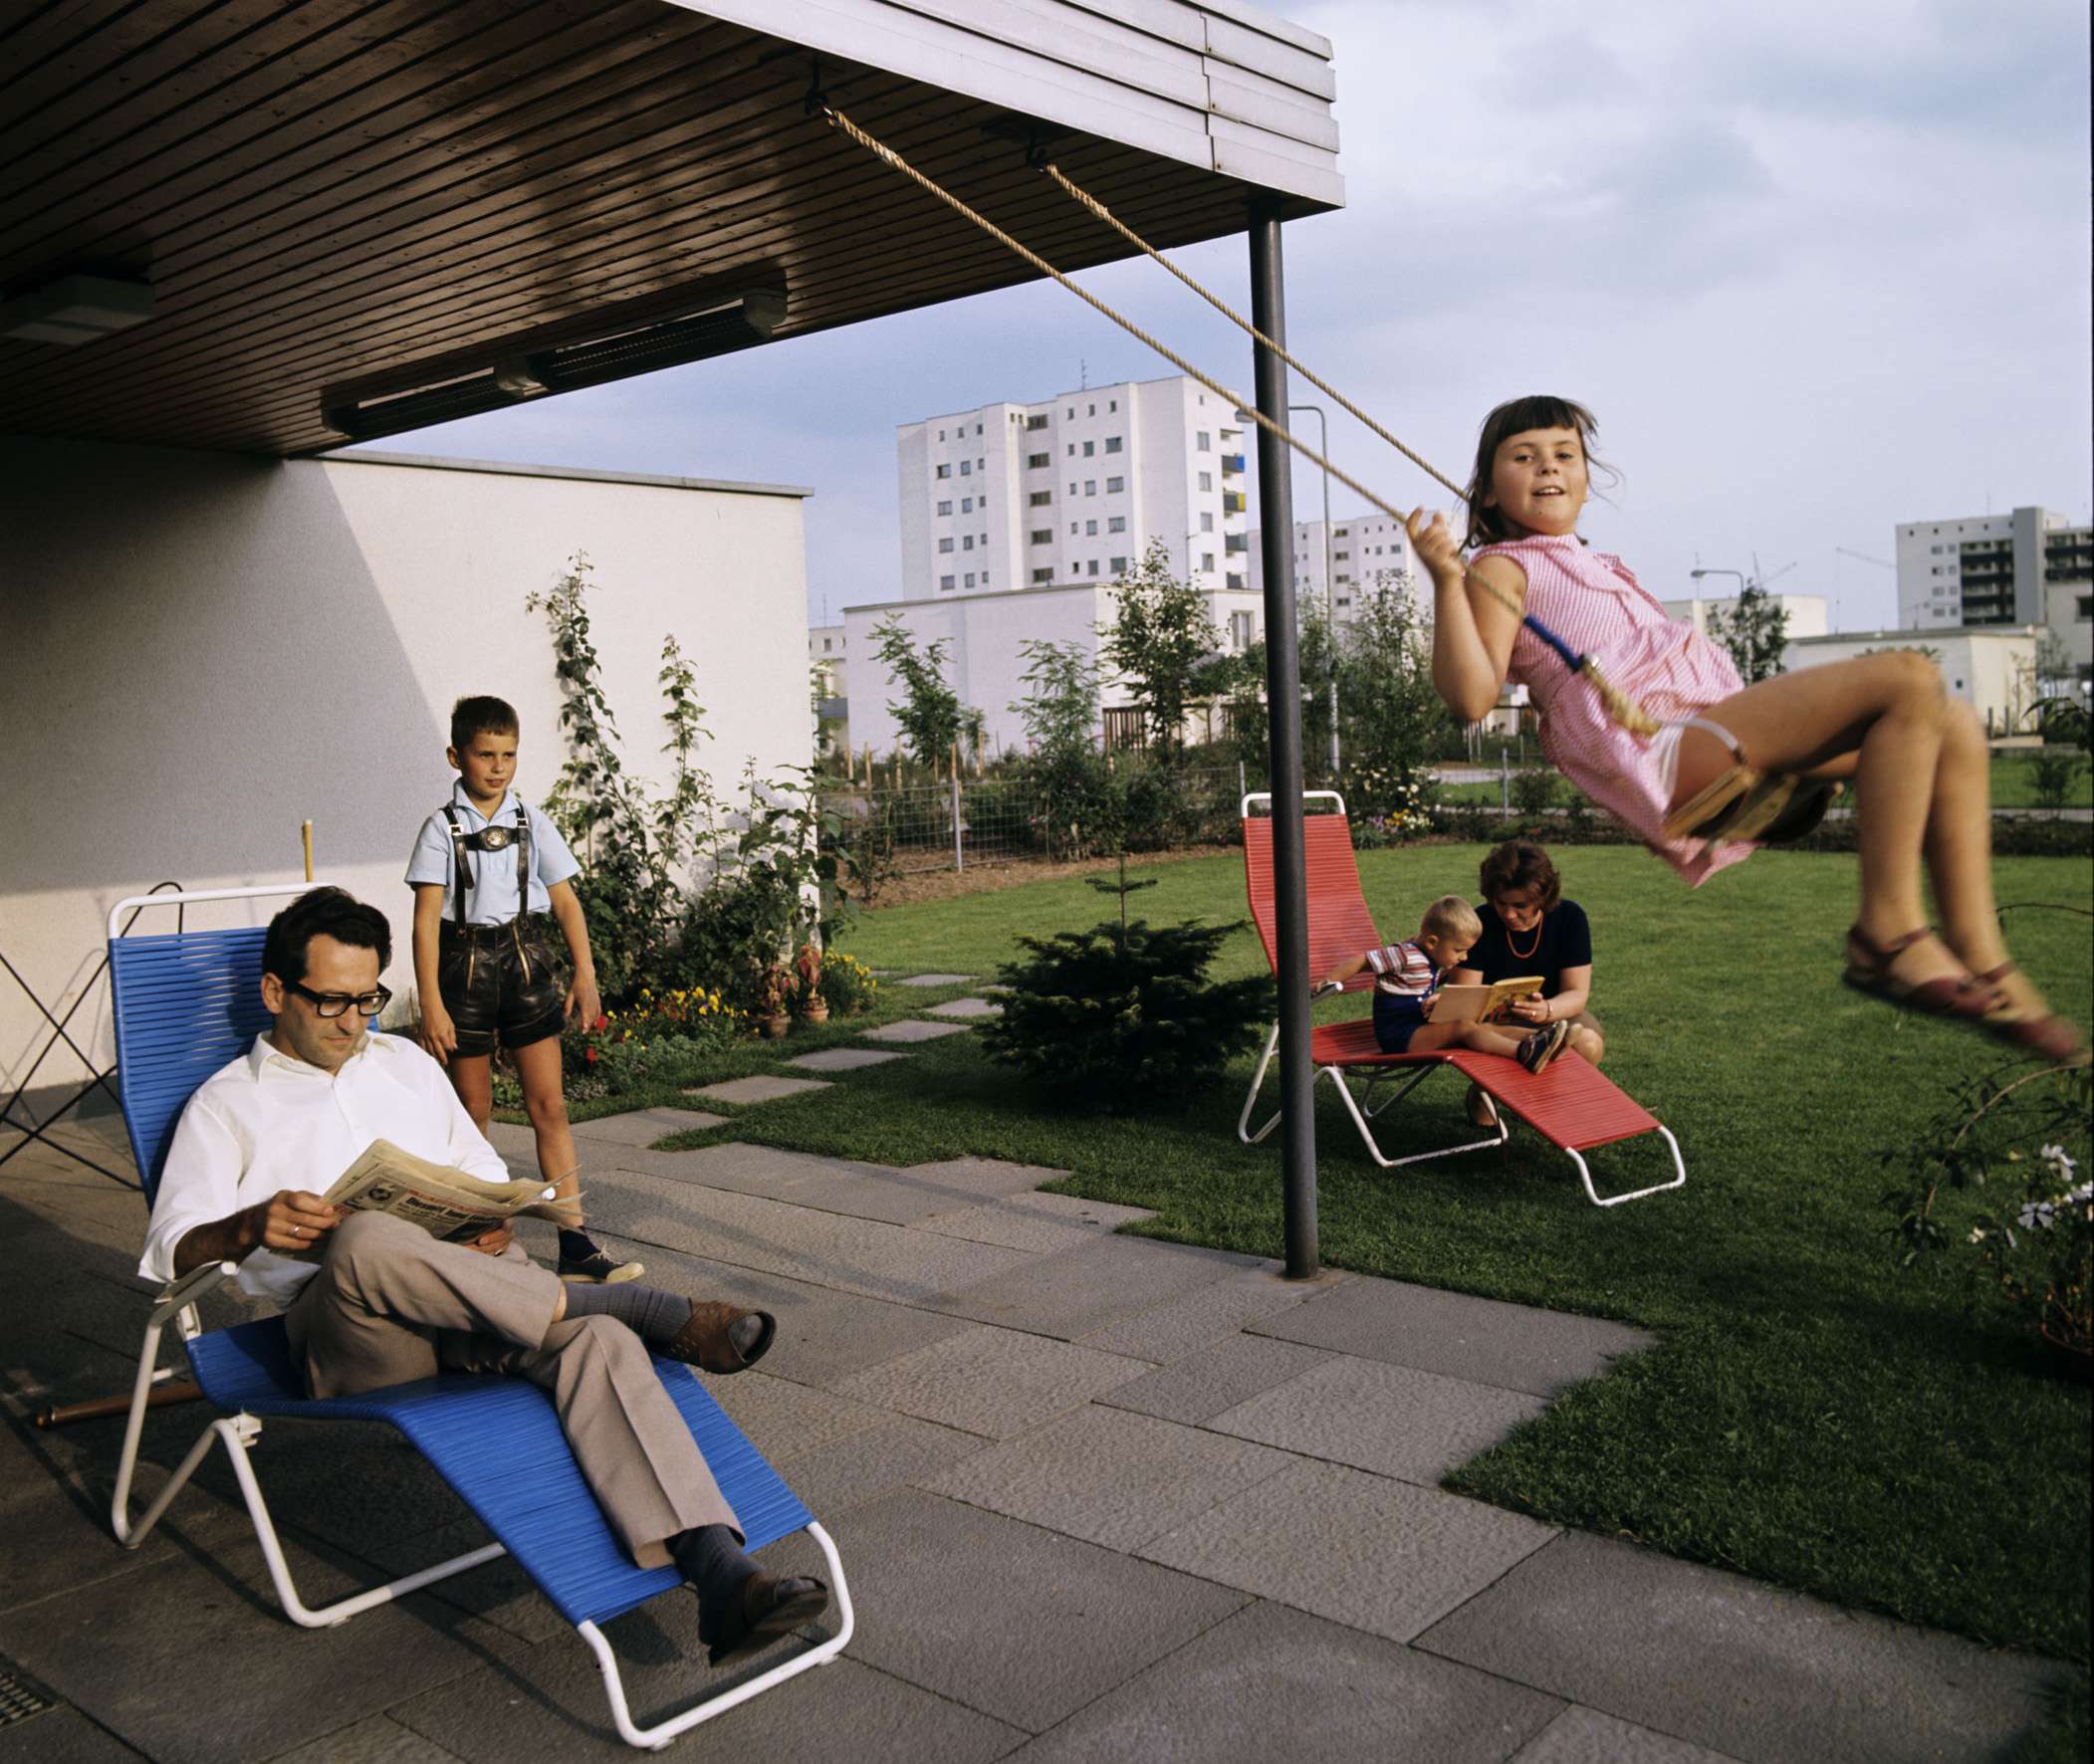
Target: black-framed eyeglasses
337, 1003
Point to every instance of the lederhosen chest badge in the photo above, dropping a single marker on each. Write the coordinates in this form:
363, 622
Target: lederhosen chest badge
465, 877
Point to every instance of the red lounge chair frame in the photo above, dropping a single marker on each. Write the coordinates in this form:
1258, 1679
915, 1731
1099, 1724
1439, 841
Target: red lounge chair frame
1573, 1105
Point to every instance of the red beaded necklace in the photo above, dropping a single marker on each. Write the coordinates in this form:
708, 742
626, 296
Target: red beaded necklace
1527, 954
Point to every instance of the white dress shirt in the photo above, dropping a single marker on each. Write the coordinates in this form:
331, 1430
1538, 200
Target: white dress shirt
267, 1121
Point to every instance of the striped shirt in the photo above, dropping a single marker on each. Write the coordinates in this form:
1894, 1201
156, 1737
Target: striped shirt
1591, 601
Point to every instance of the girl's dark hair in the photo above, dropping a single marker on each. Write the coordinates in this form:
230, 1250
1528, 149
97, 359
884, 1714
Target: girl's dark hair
1520, 864
1487, 526
323, 912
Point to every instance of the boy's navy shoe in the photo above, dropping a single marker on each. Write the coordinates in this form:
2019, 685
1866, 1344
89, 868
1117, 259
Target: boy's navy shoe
597, 1270
1542, 1046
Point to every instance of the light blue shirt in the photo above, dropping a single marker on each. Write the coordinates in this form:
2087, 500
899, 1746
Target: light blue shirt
491, 900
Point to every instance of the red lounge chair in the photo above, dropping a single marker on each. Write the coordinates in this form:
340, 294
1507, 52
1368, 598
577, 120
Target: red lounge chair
1573, 1105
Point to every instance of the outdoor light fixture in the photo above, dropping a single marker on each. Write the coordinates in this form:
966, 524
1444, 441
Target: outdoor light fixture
76, 310
635, 336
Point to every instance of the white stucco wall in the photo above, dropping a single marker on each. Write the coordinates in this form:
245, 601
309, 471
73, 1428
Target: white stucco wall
1991, 668
204, 650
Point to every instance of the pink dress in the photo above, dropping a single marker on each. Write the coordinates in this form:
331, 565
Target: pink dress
1591, 601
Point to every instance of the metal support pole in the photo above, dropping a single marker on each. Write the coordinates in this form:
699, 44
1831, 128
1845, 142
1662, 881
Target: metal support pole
1276, 500
959, 849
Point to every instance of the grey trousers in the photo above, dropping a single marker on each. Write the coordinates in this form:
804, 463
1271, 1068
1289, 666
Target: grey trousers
391, 1303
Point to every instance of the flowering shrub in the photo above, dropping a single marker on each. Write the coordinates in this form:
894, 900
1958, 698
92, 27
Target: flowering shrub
653, 1037
847, 984
2035, 1241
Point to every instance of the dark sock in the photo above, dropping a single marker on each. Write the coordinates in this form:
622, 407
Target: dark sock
650, 1313
577, 1245
712, 1560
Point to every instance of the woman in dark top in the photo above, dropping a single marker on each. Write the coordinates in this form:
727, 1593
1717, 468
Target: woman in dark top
1529, 928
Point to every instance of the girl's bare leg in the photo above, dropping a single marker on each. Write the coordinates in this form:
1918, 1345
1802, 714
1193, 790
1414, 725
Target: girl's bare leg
473, 1080
1882, 719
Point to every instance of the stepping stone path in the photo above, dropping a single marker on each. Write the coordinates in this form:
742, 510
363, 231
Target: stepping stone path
935, 979
642, 1127
843, 1059
966, 1008
756, 1089
913, 1029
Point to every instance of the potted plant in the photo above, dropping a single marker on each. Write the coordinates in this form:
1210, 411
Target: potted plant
773, 996
806, 969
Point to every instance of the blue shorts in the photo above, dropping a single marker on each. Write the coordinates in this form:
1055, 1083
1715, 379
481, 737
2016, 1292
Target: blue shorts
1393, 1028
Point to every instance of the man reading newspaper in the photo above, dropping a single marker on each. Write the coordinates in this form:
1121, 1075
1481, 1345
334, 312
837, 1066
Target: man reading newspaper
370, 1299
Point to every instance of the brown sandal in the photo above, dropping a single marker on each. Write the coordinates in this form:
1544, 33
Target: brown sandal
703, 1341
1869, 971
2049, 1037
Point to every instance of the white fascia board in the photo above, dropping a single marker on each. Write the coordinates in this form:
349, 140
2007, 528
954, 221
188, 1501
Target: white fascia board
1044, 27
1271, 24
1301, 69
1274, 162
1259, 103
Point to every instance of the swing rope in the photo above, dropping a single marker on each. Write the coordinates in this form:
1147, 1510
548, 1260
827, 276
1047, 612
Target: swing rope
1622, 708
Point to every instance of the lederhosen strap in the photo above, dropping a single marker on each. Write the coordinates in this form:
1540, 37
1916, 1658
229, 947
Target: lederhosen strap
464, 877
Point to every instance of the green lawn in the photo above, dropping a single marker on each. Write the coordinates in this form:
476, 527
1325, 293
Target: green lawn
1815, 1416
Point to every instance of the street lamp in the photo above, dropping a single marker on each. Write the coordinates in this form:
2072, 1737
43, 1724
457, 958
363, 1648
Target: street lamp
1330, 591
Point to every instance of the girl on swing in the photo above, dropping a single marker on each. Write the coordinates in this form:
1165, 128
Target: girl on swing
1918, 759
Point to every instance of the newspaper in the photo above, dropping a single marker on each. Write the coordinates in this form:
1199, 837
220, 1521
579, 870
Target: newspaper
1482, 1004
446, 1202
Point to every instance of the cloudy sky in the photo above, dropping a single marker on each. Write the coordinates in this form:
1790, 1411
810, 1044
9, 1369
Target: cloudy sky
1817, 267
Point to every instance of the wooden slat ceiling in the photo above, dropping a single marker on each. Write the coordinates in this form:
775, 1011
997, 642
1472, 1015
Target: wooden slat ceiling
329, 191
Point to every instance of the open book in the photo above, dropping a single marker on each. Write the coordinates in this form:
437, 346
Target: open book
1483, 1004
444, 1202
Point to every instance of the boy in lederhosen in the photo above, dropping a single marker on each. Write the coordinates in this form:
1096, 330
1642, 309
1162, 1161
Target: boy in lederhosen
483, 959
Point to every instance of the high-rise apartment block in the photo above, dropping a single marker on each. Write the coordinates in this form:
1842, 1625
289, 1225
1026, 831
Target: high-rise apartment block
1072, 489
2030, 568
1359, 556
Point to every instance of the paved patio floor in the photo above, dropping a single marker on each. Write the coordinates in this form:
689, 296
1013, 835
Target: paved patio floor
1099, 1497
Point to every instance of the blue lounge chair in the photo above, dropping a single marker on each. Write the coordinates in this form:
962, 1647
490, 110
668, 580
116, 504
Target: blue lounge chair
185, 1004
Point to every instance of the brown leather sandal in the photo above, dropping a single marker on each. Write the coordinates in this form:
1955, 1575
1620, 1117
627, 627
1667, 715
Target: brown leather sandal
703, 1341
2049, 1037
1869, 971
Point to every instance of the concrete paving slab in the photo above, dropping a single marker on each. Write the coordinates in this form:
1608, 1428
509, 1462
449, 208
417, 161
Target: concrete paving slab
1080, 1290
782, 1419
1109, 1476
1392, 1419
912, 1030
843, 1059
759, 1088
994, 1382
222, 1674
514, 1141
865, 1256
1585, 1736
1021, 1624
935, 979
551, 1705
378, 1740
1359, 1549
966, 1008
61, 1735
1515, 1347
498, 1592
1272, 1682
1219, 1377
804, 1179
904, 1453
1039, 1223
642, 1127
987, 1178
1178, 1326
1728, 1662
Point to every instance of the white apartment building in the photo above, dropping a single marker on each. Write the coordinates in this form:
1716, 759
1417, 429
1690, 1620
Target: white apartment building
1359, 554
2028, 567
1072, 489
1991, 668
1807, 615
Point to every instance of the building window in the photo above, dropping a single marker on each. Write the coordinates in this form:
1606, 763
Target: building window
945, 582
978, 428
1071, 413
1073, 486
1207, 562
1112, 444
964, 468
945, 508
1034, 461
1090, 529
1341, 555
1113, 486
940, 436
945, 545
1072, 450
946, 470
1036, 422
1118, 523
1203, 442
967, 505
1206, 523
1114, 405
2086, 606
828, 644
980, 465
1089, 448
1073, 530
1040, 499
1239, 629
1119, 566
967, 541
1042, 536
1093, 566
1042, 575
1206, 480
1090, 487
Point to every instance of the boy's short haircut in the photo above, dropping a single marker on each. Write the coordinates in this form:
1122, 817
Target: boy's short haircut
481, 714
1451, 916
323, 912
